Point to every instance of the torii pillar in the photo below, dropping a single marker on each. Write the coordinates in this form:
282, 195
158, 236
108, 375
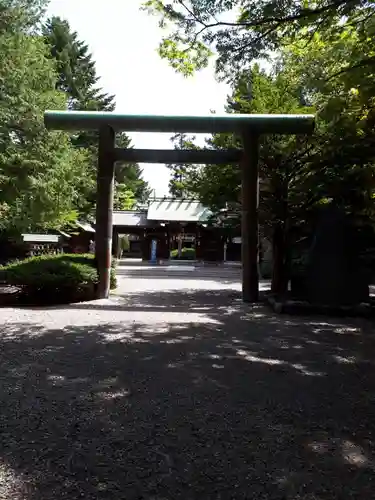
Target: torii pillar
249, 127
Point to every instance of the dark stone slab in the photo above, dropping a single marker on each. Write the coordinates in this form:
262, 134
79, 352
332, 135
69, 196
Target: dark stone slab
334, 275
288, 305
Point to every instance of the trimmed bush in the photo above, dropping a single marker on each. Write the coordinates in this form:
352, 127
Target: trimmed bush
186, 254
88, 258
113, 283
59, 278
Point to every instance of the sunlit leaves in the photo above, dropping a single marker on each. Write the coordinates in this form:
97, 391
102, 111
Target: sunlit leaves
241, 32
184, 57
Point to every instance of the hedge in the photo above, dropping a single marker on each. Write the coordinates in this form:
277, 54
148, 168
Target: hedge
186, 254
59, 278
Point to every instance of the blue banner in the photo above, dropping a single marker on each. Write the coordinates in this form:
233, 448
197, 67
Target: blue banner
153, 250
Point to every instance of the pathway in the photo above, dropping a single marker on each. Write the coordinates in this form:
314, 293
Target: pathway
173, 389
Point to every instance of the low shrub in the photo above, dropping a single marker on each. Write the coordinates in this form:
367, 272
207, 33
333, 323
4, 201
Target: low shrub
59, 278
88, 258
186, 254
113, 283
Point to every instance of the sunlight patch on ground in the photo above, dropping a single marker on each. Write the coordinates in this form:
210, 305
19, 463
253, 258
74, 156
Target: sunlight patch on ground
56, 379
354, 455
302, 369
345, 330
350, 360
142, 333
114, 395
11, 486
346, 450
341, 329
256, 359
252, 357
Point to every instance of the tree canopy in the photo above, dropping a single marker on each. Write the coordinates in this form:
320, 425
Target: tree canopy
47, 178
240, 32
317, 54
38, 169
318, 72
77, 78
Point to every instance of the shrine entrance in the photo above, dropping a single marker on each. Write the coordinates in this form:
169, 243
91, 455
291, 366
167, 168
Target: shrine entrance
182, 241
248, 127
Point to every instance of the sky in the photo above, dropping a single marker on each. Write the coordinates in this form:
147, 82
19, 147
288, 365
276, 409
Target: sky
123, 41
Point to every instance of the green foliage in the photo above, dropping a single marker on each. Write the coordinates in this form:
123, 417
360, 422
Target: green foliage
321, 58
184, 57
253, 92
75, 69
186, 254
38, 169
128, 177
48, 179
297, 174
181, 174
124, 198
51, 277
242, 32
113, 277
50, 271
341, 163
77, 78
89, 259
124, 243
55, 278
21, 16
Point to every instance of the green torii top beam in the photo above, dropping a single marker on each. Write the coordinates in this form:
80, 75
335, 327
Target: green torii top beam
249, 127
260, 124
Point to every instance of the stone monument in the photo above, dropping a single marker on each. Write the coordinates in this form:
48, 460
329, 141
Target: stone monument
334, 273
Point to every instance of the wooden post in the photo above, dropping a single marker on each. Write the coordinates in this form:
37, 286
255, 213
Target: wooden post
104, 209
249, 221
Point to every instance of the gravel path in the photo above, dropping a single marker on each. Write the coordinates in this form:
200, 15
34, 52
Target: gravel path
173, 389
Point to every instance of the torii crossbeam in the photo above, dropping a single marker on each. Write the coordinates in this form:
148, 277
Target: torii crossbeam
249, 127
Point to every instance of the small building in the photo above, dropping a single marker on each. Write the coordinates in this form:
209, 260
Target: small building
174, 224
133, 224
80, 235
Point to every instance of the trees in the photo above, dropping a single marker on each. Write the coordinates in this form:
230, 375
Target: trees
75, 68
321, 55
21, 16
38, 169
77, 78
281, 164
182, 175
241, 32
128, 177
344, 101
299, 174
48, 179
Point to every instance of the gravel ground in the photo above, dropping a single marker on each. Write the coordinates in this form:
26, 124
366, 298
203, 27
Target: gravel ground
173, 389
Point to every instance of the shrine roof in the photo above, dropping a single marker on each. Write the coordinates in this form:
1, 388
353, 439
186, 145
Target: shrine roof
130, 218
177, 210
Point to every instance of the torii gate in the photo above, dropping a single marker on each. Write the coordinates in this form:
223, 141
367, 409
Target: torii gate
249, 127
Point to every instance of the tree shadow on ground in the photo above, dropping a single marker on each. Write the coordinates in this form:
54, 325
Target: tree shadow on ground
221, 401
